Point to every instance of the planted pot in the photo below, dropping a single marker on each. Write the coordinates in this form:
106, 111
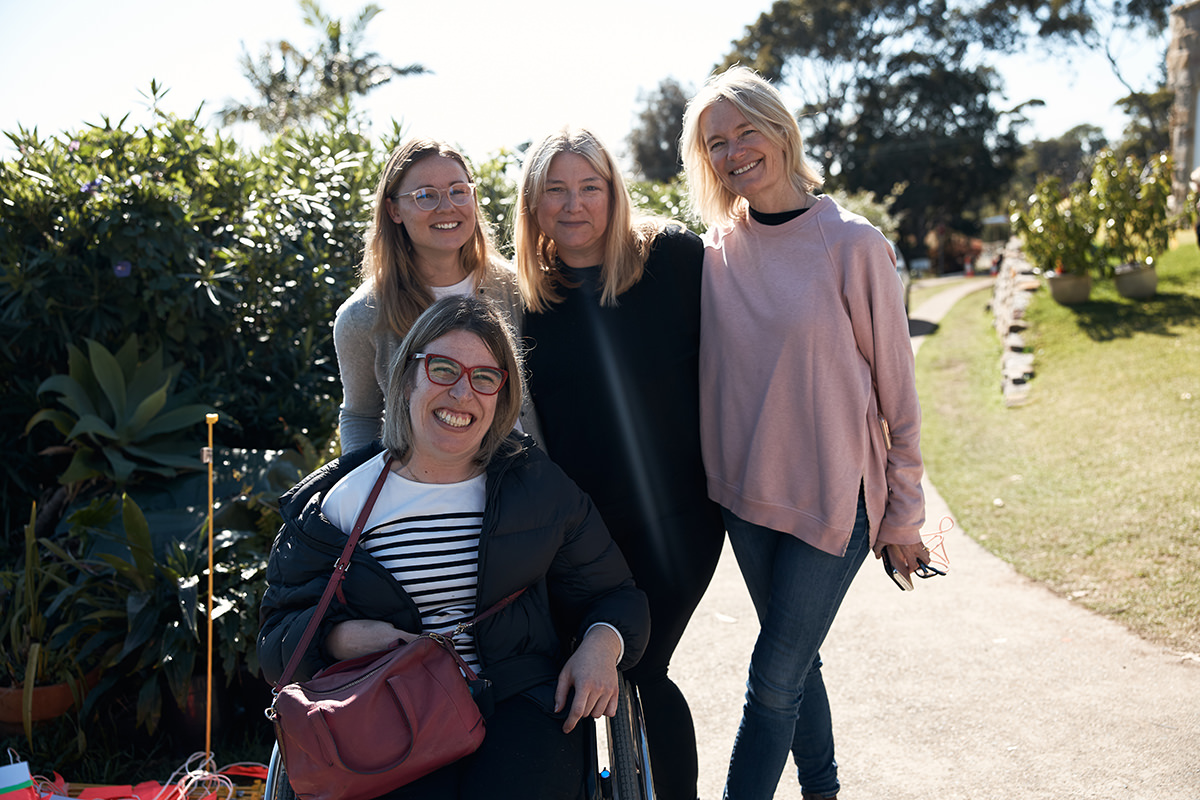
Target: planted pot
1136, 281
49, 701
1069, 289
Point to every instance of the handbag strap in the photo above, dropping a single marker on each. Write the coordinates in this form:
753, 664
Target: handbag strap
447, 640
342, 565
463, 627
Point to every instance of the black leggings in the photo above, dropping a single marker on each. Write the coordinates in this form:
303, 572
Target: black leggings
673, 565
524, 755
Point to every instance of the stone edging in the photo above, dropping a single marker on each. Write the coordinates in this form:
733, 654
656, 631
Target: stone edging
1016, 281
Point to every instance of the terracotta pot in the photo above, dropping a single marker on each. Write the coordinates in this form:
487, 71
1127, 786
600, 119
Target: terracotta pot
1068, 290
48, 701
1137, 283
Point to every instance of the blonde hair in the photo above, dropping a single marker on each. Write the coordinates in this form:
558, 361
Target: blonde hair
475, 315
626, 239
389, 260
763, 107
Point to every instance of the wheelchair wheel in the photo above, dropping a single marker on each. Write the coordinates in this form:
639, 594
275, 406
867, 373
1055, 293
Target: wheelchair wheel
277, 786
628, 748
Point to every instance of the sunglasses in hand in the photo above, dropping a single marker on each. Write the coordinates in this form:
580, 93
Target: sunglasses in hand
936, 561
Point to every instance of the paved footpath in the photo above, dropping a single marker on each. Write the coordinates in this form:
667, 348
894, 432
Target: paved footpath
979, 685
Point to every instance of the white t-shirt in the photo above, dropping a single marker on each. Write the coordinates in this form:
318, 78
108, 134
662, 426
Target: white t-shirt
464, 287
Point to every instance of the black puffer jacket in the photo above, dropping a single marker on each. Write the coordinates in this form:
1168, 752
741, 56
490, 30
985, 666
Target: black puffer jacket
540, 532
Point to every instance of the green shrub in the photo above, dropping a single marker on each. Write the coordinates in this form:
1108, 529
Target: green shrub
1118, 216
1131, 204
232, 264
295, 259
227, 265
103, 234
1058, 228
496, 186
665, 200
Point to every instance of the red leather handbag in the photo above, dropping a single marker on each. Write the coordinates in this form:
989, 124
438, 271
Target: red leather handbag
371, 724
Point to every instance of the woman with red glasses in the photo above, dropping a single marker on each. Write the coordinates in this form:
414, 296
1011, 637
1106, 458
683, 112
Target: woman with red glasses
428, 239
469, 513
613, 335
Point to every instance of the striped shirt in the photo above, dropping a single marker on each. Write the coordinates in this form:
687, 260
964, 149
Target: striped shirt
426, 535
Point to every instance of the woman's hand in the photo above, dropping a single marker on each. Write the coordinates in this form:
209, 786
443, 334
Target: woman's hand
358, 637
592, 672
905, 558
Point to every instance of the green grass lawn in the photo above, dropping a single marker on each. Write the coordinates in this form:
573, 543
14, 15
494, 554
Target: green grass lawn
1093, 486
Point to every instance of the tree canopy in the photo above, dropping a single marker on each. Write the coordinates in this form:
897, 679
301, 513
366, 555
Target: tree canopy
891, 92
1064, 157
654, 141
292, 86
1074, 21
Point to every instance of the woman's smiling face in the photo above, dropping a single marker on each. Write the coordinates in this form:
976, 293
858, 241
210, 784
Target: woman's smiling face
449, 422
746, 161
444, 229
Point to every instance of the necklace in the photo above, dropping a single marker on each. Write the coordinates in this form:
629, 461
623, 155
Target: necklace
405, 471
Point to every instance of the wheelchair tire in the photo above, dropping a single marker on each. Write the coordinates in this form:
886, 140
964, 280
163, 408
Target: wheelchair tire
277, 786
631, 775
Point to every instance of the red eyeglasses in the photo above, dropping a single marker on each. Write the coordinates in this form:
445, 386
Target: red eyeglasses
446, 371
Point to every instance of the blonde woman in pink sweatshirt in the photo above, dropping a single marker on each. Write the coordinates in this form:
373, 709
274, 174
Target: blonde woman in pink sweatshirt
804, 352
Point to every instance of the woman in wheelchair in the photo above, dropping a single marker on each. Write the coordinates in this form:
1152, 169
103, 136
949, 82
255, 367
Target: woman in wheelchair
470, 513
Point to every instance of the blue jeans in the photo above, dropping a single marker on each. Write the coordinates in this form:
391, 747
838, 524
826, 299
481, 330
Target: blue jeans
797, 590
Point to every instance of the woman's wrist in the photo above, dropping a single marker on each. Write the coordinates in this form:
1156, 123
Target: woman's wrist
619, 641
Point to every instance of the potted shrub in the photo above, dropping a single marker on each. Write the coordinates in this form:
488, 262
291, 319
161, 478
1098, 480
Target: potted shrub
127, 435
1131, 204
154, 604
1058, 230
51, 637
125, 427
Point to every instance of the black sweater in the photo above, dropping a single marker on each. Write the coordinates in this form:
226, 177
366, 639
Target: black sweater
616, 389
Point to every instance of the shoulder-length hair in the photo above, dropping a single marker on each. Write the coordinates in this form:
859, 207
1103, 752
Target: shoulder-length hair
475, 315
764, 108
626, 240
389, 260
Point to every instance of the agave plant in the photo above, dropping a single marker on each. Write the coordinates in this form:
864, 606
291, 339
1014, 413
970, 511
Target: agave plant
119, 415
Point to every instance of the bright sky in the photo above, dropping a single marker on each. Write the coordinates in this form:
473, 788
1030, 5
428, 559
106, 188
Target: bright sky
505, 71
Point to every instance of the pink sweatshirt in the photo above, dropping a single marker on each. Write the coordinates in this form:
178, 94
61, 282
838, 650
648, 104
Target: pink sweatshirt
798, 321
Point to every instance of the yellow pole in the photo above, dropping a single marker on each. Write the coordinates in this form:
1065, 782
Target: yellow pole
207, 457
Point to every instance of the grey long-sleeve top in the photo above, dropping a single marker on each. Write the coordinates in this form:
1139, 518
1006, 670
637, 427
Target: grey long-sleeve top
364, 353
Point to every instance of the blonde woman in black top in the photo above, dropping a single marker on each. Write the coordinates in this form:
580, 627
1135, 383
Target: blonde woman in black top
612, 329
